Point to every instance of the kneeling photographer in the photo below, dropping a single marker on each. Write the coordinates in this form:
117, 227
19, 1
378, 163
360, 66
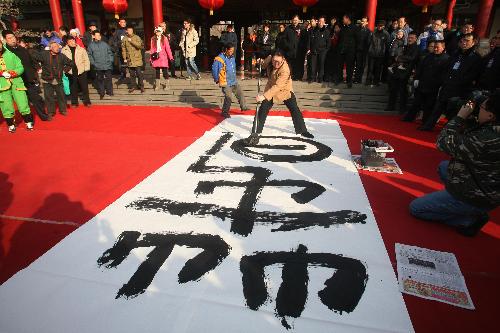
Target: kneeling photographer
472, 175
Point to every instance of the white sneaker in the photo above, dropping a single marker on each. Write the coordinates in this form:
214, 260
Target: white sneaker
29, 126
12, 128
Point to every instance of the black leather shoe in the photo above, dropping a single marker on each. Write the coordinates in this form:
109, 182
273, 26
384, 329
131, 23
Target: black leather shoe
473, 229
226, 115
252, 140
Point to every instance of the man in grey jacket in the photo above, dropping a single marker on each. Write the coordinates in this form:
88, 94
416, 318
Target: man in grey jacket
101, 60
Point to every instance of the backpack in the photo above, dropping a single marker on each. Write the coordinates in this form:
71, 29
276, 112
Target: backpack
222, 74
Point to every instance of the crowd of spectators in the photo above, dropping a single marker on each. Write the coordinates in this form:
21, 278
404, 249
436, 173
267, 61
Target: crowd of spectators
430, 71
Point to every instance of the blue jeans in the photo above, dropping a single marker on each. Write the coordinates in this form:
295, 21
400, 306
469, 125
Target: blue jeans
190, 64
442, 206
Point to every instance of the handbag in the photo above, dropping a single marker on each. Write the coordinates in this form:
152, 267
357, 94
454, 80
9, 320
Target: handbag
155, 56
65, 82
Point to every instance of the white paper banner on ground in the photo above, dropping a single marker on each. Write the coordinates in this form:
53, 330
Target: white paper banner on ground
276, 238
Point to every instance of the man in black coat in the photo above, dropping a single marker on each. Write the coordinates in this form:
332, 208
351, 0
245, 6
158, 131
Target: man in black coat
319, 43
348, 43
364, 35
453, 38
290, 44
116, 45
461, 72
265, 42
229, 37
427, 80
402, 70
377, 49
30, 77
302, 48
490, 74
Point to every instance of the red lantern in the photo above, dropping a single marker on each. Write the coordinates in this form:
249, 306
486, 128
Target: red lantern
115, 6
211, 5
425, 4
305, 3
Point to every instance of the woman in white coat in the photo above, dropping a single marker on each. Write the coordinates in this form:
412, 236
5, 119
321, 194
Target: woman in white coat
189, 40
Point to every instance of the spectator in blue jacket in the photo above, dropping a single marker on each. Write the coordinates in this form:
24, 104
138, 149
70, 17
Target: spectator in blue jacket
224, 74
48, 37
434, 33
101, 59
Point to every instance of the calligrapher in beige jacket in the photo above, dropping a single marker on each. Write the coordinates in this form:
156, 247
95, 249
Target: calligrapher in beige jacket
278, 89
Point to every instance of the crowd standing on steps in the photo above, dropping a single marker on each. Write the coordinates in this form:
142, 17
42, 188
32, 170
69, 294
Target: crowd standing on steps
429, 73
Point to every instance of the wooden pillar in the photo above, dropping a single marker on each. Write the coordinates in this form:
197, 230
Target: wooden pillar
55, 10
157, 12
483, 17
78, 14
371, 13
449, 12
147, 14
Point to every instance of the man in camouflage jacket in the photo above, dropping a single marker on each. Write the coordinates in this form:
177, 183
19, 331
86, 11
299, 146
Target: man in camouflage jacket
472, 176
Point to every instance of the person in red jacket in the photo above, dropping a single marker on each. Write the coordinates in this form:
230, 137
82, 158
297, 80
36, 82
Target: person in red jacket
161, 57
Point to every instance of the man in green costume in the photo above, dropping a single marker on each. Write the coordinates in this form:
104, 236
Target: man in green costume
12, 89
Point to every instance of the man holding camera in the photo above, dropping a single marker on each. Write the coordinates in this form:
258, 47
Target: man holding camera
472, 175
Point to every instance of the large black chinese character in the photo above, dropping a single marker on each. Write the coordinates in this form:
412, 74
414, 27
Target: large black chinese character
245, 216
322, 151
215, 250
342, 292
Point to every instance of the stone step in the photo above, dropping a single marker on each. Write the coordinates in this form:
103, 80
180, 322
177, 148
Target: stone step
173, 91
326, 87
216, 107
167, 99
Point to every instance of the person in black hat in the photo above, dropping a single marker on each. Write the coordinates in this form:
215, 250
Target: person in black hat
88, 36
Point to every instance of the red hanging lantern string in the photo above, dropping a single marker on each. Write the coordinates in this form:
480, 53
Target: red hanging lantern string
211, 5
425, 4
115, 6
305, 3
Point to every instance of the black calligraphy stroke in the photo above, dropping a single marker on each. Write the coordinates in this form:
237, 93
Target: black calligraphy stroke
342, 291
322, 151
245, 216
280, 221
215, 250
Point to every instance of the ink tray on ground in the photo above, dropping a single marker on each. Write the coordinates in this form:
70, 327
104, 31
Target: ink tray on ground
373, 152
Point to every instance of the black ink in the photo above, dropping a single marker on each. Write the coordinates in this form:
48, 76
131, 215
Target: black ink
343, 290
423, 263
244, 216
215, 250
282, 221
322, 151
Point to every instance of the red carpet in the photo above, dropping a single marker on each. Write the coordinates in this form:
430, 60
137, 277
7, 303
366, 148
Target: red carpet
72, 168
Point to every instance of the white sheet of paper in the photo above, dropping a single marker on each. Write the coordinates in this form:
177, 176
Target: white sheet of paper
431, 275
66, 290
